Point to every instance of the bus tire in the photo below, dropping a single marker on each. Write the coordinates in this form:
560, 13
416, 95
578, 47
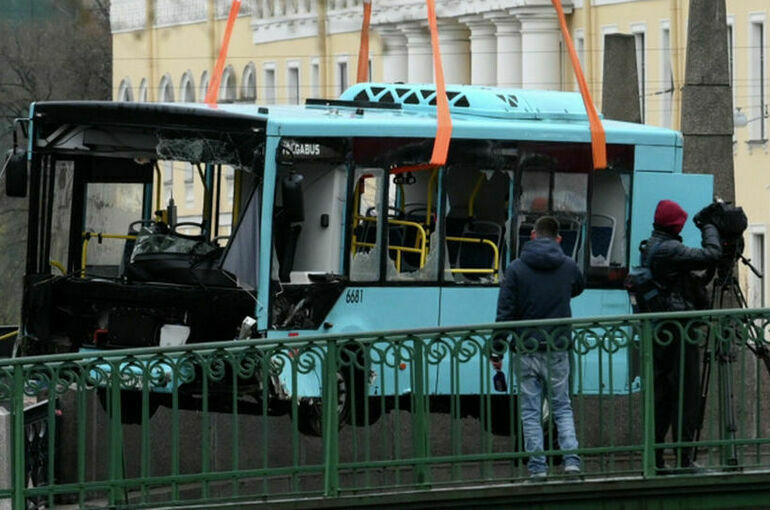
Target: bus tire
130, 406
310, 410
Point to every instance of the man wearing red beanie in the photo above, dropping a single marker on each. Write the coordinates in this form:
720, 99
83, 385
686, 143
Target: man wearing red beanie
671, 263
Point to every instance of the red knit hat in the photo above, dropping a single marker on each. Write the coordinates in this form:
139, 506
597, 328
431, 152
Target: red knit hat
670, 216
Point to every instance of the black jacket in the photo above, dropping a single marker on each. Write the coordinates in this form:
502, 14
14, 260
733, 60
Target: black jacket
672, 263
539, 285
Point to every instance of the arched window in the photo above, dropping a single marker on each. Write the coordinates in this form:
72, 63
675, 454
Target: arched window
249, 81
204, 85
166, 90
142, 96
187, 88
227, 90
125, 91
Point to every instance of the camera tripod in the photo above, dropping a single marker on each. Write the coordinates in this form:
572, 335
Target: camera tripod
726, 285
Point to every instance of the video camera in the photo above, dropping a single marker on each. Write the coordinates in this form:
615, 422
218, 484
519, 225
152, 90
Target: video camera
730, 222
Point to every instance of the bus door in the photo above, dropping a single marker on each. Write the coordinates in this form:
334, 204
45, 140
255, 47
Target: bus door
692, 191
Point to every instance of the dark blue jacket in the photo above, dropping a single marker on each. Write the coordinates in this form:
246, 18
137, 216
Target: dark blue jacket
539, 285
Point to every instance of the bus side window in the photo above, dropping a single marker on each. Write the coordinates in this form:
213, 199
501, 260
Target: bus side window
366, 225
476, 219
412, 239
608, 237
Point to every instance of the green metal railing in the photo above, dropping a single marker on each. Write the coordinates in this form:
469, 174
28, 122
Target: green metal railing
352, 414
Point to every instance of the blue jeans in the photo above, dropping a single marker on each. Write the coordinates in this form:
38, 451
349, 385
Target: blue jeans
550, 371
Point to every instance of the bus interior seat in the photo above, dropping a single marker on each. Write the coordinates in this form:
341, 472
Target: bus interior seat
570, 235
570, 232
525, 232
602, 239
455, 227
479, 256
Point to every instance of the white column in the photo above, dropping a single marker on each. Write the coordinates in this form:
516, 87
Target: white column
483, 50
541, 51
508, 50
394, 54
419, 53
455, 52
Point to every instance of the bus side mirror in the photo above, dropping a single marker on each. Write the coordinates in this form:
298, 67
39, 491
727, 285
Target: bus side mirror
16, 173
293, 199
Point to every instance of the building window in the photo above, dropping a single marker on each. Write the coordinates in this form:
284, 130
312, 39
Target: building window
641, 72
249, 88
142, 95
757, 80
166, 90
187, 88
667, 81
315, 78
204, 85
293, 83
227, 88
342, 76
269, 82
125, 92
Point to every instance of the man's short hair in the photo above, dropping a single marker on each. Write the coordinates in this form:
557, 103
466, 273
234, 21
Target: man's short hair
547, 226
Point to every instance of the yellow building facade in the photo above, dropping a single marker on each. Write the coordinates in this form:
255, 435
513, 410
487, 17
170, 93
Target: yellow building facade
660, 30
284, 51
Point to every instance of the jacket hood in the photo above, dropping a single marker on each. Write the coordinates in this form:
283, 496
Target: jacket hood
543, 254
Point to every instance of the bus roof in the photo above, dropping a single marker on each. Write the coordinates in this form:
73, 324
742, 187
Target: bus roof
393, 110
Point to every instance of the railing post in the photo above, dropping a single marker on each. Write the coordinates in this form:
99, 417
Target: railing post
19, 435
331, 428
116, 435
419, 413
648, 387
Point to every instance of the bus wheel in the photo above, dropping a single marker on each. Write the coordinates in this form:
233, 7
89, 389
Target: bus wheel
310, 411
130, 405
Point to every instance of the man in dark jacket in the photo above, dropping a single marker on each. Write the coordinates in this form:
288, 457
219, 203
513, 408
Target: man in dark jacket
671, 263
539, 285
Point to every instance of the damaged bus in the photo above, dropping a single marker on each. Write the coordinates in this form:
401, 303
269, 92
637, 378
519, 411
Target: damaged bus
309, 225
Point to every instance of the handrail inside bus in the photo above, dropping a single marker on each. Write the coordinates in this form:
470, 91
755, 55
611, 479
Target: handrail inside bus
58, 265
486, 242
87, 236
475, 193
10, 335
421, 241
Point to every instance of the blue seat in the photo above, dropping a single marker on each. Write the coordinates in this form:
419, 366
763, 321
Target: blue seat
602, 238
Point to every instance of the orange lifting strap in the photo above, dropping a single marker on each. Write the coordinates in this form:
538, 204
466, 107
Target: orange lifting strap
213, 91
363, 52
444, 119
598, 139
